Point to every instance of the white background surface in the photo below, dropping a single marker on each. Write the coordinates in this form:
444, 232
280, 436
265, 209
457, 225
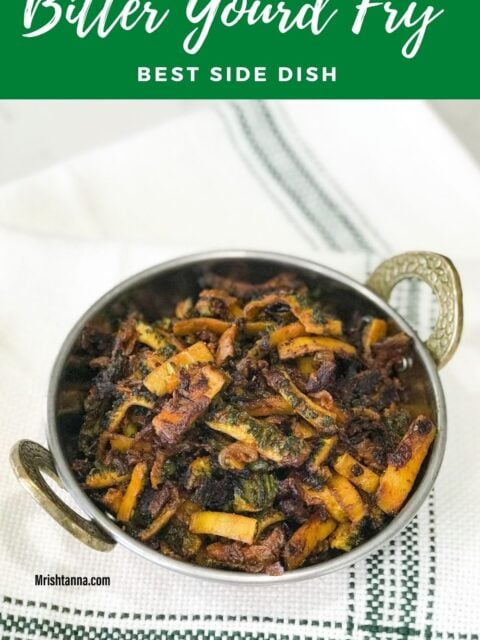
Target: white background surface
35, 133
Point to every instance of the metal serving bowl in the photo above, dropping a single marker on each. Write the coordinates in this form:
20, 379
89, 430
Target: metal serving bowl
155, 292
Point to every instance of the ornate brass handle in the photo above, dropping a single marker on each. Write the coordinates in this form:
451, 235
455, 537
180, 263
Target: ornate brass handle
440, 274
28, 460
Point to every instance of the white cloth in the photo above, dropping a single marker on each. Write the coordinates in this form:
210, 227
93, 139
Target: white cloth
343, 183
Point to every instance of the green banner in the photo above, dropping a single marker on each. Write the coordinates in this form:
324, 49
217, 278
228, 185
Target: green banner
239, 49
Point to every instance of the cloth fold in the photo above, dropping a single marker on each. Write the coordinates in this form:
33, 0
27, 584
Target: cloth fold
312, 179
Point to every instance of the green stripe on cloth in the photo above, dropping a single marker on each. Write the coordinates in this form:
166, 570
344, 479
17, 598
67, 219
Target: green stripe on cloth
432, 560
375, 605
341, 221
12, 626
183, 617
276, 173
269, 143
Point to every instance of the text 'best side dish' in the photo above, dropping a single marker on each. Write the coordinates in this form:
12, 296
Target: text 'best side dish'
253, 430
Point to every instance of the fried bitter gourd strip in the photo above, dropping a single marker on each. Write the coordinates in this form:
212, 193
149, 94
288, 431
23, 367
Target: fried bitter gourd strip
306, 539
404, 465
135, 487
324, 496
226, 525
180, 412
375, 331
267, 406
197, 325
148, 335
268, 439
358, 474
346, 536
119, 411
323, 450
311, 317
348, 497
165, 515
303, 346
104, 479
321, 418
285, 333
165, 378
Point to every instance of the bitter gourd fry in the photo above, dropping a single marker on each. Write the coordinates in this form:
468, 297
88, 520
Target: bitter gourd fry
225, 525
306, 365
267, 406
262, 556
112, 499
149, 336
302, 429
251, 429
119, 411
165, 515
269, 440
316, 325
313, 319
135, 486
183, 308
121, 442
306, 539
255, 493
287, 332
104, 479
226, 345
324, 496
199, 468
215, 380
237, 455
214, 301
347, 497
404, 465
176, 537
197, 325
267, 519
323, 450
182, 411
306, 345
156, 471
375, 331
165, 378
185, 511
345, 537
251, 328
322, 419
358, 474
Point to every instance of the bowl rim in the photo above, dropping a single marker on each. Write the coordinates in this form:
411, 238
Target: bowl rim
107, 523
